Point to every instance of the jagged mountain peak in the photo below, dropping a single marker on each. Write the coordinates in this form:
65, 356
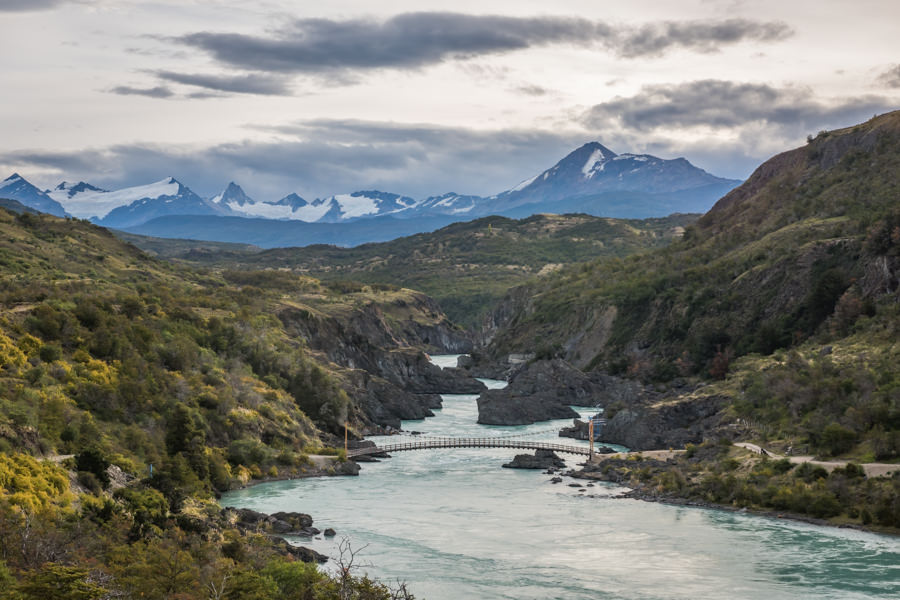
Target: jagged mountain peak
589, 155
593, 170
232, 196
293, 200
71, 190
16, 187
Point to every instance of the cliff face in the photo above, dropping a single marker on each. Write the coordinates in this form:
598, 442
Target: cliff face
381, 346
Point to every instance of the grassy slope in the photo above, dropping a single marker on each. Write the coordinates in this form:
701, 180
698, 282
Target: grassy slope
465, 266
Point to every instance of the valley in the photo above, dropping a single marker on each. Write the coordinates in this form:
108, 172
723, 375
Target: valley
191, 369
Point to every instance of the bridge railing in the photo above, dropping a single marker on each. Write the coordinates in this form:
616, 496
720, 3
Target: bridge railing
484, 442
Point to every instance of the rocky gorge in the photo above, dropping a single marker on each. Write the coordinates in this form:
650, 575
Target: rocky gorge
380, 349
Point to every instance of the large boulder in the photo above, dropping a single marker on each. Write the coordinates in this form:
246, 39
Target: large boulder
541, 459
500, 407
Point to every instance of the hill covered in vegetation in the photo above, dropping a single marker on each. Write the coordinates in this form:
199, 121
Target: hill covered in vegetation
466, 267
111, 357
810, 231
785, 295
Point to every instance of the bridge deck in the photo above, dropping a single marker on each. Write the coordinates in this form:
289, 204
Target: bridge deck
437, 443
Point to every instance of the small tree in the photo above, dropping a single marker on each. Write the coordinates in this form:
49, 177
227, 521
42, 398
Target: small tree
60, 583
91, 460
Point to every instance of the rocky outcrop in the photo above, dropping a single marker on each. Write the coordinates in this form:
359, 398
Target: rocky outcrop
385, 404
518, 303
281, 523
541, 459
670, 423
353, 339
539, 391
301, 553
412, 371
348, 467
501, 407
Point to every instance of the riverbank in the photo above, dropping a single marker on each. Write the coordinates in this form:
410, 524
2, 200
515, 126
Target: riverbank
733, 478
320, 465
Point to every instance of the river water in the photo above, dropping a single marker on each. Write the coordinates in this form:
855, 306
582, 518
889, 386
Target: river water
454, 525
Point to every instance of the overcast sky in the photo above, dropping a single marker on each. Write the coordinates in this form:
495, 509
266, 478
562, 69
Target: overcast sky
424, 97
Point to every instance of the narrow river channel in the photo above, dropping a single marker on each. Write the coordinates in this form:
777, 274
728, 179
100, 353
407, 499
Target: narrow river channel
454, 525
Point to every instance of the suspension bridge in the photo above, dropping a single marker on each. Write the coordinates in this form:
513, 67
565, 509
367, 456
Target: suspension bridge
488, 442
509, 441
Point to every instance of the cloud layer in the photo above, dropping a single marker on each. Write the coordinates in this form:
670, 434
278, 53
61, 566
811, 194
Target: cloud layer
891, 77
154, 92
725, 127
263, 84
320, 158
415, 40
721, 104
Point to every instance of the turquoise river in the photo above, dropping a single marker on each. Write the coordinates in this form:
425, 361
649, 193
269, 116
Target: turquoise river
455, 525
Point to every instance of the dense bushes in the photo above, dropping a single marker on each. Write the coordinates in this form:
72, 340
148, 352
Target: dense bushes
702, 473
834, 402
136, 548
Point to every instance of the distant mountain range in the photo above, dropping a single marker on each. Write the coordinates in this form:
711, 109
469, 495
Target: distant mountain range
593, 179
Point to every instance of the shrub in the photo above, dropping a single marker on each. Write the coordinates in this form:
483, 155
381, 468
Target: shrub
50, 352
837, 439
782, 466
809, 472
90, 482
91, 460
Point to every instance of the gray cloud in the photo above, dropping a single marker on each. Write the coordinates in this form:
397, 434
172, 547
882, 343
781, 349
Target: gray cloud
28, 5
728, 104
415, 40
703, 36
891, 77
154, 92
267, 85
532, 90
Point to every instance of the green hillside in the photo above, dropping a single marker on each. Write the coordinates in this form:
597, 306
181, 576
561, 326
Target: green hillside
108, 356
803, 256
764, 269
466, 267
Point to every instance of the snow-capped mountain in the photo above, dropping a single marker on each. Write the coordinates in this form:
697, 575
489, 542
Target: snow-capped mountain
448, 204
233, 197
334, 209
68, 190
595, 180
592, 179
87, 201
16, 187
372, 203
595, 169
166, 197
